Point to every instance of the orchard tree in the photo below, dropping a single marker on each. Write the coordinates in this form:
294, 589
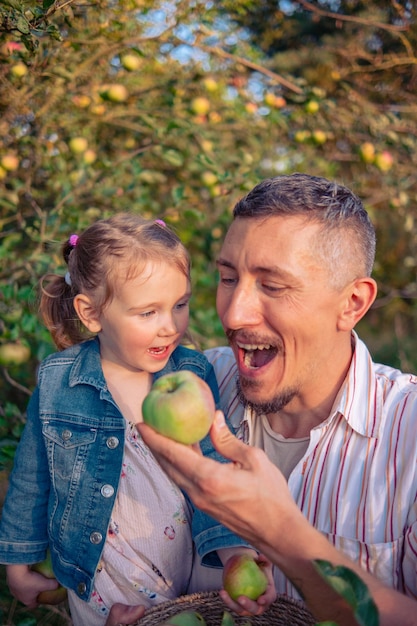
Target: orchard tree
175, 110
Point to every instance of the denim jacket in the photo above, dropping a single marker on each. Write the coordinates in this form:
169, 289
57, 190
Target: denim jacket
67, 468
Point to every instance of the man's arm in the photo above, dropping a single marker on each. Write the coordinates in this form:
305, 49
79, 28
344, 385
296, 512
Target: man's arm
251, 497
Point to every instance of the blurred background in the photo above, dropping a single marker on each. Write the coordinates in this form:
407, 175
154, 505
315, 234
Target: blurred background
175, 110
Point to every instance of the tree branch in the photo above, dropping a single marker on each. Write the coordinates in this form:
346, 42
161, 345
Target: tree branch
309, 6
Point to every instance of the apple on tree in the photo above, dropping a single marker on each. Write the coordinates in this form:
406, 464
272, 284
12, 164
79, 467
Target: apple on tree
180, 405
243, 576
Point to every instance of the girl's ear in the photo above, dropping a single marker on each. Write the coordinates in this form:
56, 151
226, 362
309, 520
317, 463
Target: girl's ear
87, 313
358, 299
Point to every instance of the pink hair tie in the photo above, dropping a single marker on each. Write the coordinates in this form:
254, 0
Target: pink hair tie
73, 240
160, 222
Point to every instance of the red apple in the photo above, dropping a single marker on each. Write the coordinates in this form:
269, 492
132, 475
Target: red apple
180, 405
242, 576
53, 596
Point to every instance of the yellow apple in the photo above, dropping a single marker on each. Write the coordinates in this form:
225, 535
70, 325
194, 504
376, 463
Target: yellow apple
89, 156
115, 93
367, 152
9, 162
384, 161
19, 69
78, 145
14, 354
130, 62
312, 106
200, 105
208, 178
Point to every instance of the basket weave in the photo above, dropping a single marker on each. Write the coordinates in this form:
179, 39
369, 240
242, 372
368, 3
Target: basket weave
284, 612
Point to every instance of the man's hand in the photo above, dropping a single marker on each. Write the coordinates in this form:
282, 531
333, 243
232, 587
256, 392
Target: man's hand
238, 494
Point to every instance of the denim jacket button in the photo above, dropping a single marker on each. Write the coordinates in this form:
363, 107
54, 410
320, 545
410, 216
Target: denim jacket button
107, 491
66, 434
96, 537
81, 588
112, 442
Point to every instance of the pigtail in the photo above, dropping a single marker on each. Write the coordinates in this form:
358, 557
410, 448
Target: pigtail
56, 305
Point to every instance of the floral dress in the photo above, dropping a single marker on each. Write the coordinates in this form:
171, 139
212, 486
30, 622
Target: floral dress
147, 557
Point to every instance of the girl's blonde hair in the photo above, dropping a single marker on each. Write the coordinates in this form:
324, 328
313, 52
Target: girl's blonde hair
107, 253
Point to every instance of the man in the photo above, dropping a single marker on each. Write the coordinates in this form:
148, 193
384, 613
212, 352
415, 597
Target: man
295, 279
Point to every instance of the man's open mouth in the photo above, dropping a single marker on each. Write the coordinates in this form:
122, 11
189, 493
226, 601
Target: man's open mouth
256, 355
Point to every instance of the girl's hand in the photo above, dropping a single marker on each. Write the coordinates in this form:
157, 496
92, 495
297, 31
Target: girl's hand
124, 614
25, 585
246, 606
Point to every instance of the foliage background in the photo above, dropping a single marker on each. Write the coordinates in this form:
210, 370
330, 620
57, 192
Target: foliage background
210, 98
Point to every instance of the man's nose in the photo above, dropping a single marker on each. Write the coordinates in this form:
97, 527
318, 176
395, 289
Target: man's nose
239, 309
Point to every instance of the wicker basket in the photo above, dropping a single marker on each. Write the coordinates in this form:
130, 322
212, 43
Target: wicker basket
284, 612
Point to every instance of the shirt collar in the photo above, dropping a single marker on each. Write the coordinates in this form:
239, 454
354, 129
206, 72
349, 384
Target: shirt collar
358, 400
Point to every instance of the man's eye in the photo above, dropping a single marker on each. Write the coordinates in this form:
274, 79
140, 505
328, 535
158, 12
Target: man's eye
183, 305
228, 280
272, 288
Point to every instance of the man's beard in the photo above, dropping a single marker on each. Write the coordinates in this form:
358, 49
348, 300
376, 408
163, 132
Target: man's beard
264, 408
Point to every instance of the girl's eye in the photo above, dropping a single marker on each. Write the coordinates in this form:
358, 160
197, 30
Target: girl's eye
147, 314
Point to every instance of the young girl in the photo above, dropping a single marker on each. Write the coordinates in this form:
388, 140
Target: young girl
84, 483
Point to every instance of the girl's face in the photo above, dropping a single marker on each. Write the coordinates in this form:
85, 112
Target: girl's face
146, 319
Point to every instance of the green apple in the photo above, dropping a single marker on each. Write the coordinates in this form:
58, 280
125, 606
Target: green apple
242, 576
227, 619
185, 618
53, 596
180, 405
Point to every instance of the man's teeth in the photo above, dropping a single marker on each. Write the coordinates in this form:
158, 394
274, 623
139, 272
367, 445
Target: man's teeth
250, 347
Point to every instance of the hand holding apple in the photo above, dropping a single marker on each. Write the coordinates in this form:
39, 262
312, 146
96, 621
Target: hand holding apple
180, 406
54, 596
242, 576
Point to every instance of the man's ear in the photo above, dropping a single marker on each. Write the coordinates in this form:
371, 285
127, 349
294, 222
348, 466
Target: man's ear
87, 313
358, 299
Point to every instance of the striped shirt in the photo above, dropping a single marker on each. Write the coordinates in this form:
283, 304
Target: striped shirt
357, 481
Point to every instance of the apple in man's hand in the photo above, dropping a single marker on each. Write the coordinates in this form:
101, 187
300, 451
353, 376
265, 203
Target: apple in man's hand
52, 596
242, 576
180, 405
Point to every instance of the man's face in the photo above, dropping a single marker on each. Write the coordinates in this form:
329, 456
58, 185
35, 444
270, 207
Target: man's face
279, 312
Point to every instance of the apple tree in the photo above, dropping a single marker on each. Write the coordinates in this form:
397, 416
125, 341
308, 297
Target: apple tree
175, 110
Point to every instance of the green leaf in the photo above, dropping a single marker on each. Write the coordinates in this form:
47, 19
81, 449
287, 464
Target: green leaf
352, 588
